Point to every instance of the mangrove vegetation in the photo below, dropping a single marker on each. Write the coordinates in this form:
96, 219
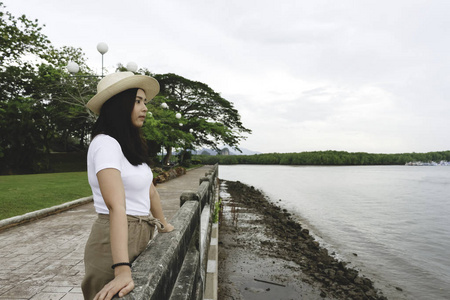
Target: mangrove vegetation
324, 158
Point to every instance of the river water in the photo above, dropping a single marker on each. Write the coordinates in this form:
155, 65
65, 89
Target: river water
396, 219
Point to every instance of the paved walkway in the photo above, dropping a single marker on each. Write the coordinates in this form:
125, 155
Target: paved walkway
44, 259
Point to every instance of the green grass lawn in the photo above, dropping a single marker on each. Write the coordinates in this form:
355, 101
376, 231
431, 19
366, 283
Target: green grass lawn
20, 194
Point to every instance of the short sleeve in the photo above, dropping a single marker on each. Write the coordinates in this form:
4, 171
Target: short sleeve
107, 153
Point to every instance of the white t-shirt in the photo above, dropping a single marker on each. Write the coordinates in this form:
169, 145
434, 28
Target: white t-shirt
105, 152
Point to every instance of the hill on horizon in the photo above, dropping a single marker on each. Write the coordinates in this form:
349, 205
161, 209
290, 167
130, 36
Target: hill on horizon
231, 150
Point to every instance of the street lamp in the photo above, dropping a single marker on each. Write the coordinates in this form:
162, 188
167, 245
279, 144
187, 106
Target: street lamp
73, 67
102, 48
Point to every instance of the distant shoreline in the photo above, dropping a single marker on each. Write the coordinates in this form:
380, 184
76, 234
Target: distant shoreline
325, 158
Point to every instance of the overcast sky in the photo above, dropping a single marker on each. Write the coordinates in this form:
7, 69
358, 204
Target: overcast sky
370, 76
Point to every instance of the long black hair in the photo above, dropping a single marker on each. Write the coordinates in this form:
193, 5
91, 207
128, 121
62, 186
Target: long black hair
115, 121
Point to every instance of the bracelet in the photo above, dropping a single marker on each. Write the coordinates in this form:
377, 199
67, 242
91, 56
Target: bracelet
121, 264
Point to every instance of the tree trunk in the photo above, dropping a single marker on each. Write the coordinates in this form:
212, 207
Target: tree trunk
181, 157
168, 156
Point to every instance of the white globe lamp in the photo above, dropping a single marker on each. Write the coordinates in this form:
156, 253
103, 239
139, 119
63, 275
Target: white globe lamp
102, 48
132, 66
73, 67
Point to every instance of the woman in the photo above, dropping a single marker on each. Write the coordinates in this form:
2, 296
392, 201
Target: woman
121, 183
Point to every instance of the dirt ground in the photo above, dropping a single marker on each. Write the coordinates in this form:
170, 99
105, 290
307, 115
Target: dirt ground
265, 254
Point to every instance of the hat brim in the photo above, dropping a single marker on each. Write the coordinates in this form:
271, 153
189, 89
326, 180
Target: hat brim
149, 84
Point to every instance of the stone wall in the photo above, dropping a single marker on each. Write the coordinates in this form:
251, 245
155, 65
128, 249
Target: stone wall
174, 265
167, 175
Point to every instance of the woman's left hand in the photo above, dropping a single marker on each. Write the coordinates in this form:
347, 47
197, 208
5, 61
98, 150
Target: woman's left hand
167, 228
122, 284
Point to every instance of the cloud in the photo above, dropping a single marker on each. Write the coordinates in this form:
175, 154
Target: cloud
346, 75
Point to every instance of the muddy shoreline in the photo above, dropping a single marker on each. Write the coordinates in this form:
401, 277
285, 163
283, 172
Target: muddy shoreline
265, 254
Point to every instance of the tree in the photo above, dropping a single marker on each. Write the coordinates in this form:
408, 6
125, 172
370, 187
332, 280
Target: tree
34, 91
23, 134
207, 119
19, 36
67, 95
165, 129
24, 126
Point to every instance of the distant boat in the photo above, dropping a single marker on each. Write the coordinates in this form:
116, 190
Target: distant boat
430, 163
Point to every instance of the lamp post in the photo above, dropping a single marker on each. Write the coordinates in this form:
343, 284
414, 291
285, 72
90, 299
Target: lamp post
73, 67
102, 48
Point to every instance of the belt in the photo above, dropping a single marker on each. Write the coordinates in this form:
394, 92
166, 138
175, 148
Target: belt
150, 220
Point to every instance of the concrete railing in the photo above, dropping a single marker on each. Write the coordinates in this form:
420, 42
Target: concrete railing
174, 265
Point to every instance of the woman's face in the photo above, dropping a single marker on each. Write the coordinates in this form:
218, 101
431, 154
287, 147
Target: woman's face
140, 109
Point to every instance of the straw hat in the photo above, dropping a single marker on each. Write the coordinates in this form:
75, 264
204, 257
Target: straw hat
115, 83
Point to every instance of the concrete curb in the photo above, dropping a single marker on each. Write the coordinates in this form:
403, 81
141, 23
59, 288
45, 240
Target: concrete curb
212, 268
38, 214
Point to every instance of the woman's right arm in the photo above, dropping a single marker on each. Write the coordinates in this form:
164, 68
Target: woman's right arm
113, 193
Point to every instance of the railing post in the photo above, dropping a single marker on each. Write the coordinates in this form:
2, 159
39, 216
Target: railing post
191, 196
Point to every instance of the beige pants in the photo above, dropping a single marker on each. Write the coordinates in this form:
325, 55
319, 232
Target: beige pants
97, 254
